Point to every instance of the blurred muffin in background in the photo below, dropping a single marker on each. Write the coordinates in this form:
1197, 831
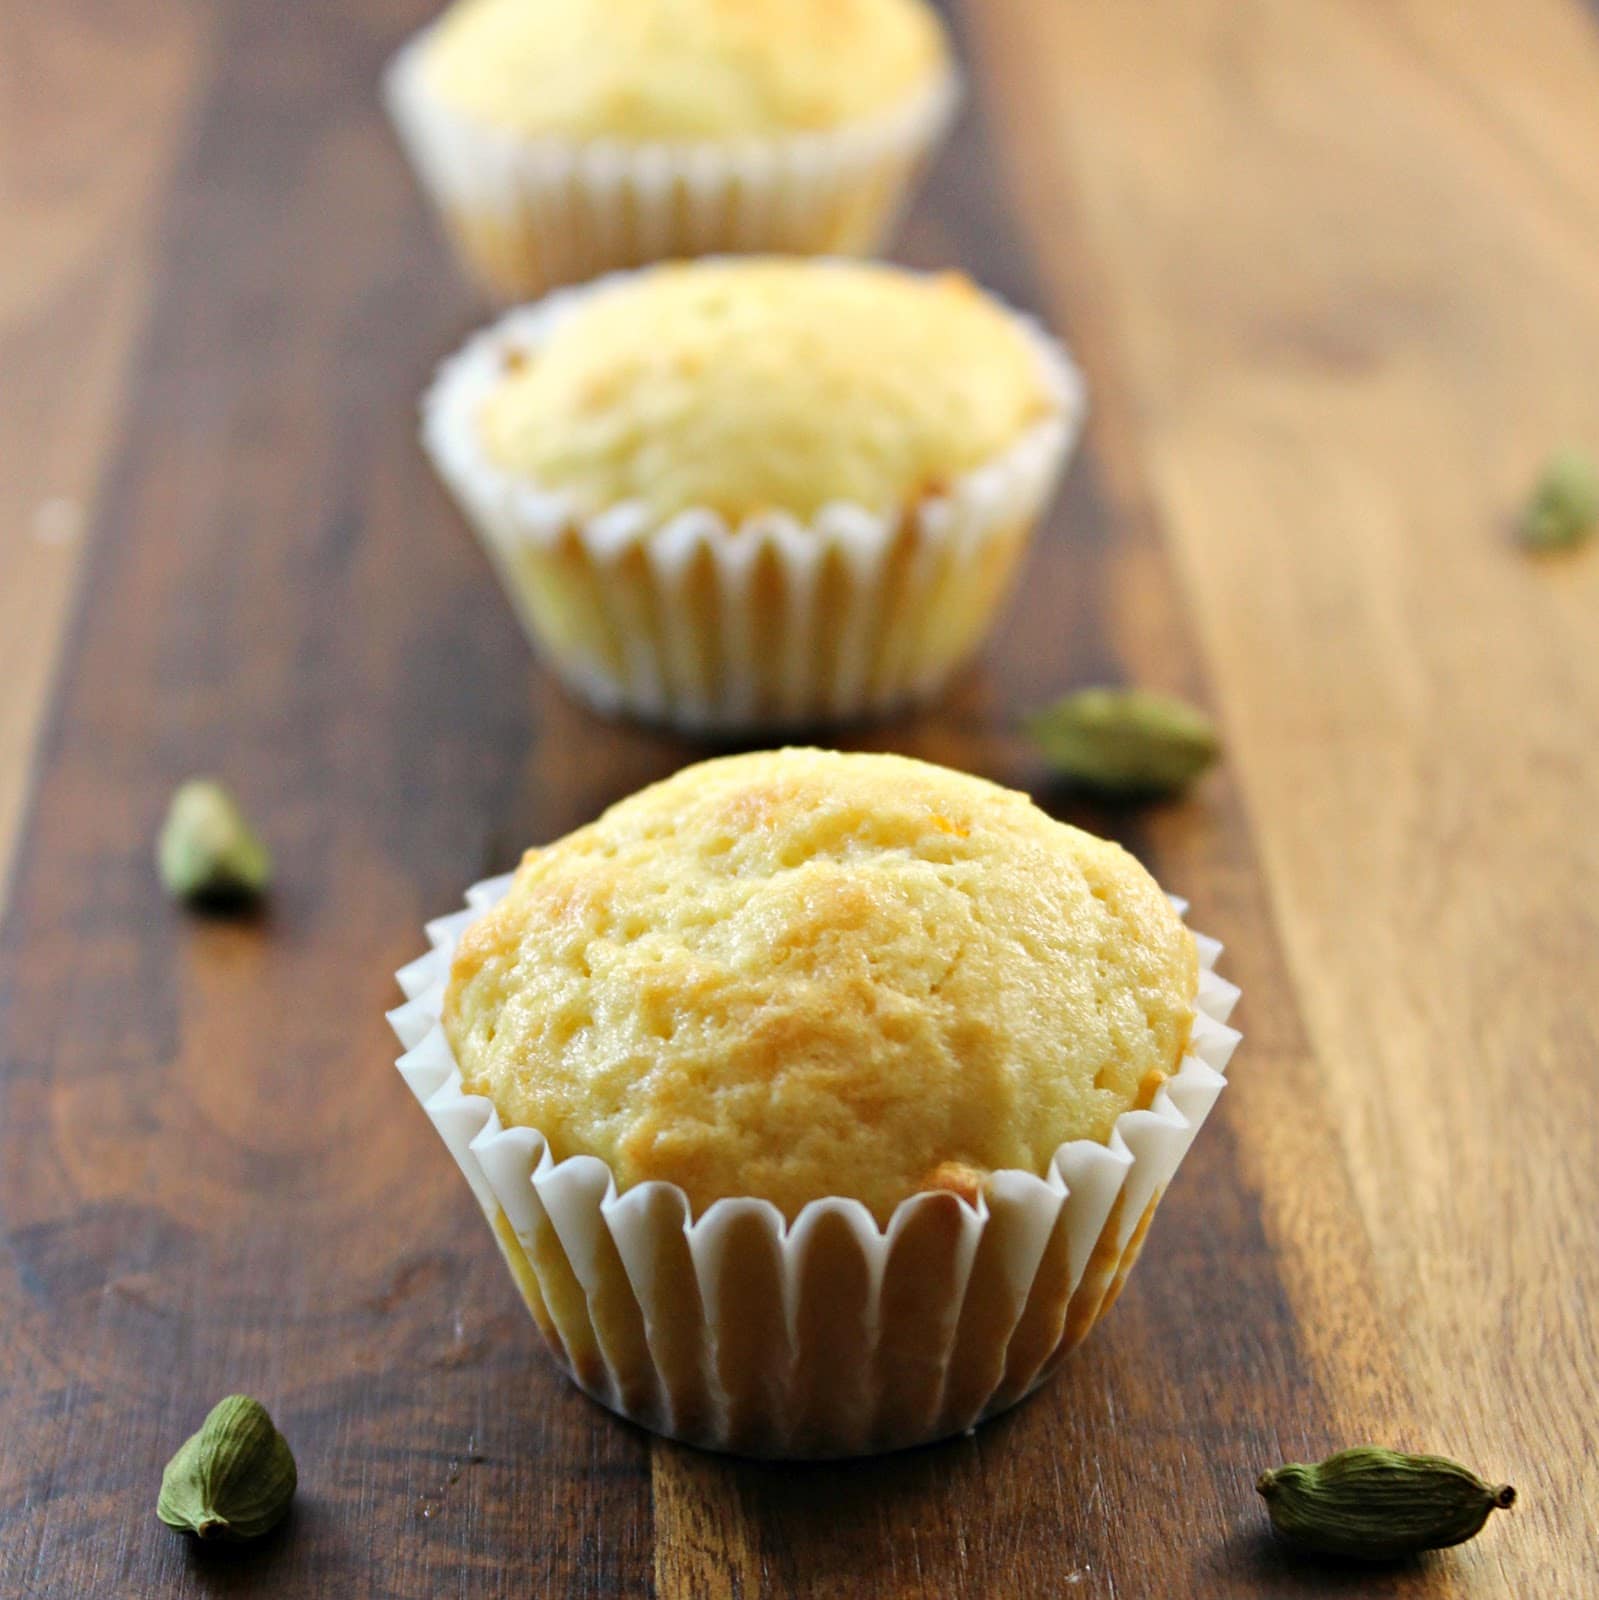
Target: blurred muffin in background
561, 139
756, 492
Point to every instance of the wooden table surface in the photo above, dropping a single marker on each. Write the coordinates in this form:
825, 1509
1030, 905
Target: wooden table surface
1333, 270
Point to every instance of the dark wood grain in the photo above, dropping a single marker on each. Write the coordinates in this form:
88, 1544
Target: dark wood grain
211, 1177
91, 111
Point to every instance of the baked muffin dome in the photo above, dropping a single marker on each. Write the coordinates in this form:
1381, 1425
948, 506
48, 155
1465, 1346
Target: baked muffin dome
766, 384
802, 973
682, 70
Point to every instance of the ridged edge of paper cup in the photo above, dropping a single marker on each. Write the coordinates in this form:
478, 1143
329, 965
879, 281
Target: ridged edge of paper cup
575, 208
922, 583
830, 1336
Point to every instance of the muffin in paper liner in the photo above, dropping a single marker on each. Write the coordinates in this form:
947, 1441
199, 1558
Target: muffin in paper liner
830, 1336
526, 215
771, 623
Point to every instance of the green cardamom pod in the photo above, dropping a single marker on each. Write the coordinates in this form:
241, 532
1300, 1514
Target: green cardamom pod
231, 1480
208, 851
1564, 507
1126, 741
1379, 1505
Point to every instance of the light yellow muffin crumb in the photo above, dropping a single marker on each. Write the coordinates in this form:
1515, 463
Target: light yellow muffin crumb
767, 384
800, 973
679, 70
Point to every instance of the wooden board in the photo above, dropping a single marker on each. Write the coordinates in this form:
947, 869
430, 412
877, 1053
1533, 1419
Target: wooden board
91, 104
1332, 270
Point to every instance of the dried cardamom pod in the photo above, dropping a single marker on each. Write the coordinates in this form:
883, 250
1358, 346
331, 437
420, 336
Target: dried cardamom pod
1126, 741
231, 1480
1379, 1505
1564, 508
208, 851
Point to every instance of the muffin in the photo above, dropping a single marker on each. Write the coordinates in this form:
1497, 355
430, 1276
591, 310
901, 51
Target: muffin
819, 1102
756, 492
565, 138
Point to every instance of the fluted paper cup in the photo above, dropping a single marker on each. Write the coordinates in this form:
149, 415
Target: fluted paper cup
775, 622
830, 1336
527, 214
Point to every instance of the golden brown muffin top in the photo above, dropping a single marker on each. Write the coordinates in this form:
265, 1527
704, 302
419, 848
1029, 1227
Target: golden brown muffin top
682, 70
802, 973
766, 384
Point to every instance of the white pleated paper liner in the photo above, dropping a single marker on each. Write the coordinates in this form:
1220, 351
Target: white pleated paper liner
831, 1336
527, 214
775, 622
